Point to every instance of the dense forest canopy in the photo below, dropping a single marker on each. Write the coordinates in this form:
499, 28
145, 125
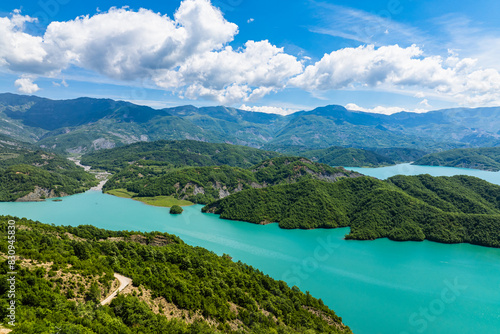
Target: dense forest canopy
485, 158
176, 154
23, 170
206, 184
63, 273
444, 209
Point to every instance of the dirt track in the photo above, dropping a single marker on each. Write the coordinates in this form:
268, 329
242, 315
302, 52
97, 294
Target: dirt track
124, 282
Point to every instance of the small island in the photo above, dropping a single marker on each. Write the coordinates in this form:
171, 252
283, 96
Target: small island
176, 210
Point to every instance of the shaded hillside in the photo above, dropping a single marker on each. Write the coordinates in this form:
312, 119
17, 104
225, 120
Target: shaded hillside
398, 154
86, 124
487, 158
206, 184
352, 157
237, 126
176, 154
444, 209
336, 126
64, 272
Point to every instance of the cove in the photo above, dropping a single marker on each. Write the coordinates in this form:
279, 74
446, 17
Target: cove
409, 169
376, 286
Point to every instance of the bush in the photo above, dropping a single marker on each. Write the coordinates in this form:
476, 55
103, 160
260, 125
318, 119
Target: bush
176, 210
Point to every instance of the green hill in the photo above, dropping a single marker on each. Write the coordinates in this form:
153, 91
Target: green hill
64, 272
352, 157
444, 209
176, 154
206, 184
38, 174
398, 154
487, 158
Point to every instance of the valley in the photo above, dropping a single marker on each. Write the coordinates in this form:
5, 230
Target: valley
281, 174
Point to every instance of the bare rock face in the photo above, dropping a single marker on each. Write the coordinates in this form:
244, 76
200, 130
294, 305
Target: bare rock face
102, 143
198, 190
39, 194
223, 192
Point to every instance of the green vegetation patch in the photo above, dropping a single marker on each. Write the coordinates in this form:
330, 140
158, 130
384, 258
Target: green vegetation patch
207, 184
121, 193
443, 209
486, 158
228, 297
175, 209
176, 154
165, 201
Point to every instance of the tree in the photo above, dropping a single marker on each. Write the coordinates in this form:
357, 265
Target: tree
176, 210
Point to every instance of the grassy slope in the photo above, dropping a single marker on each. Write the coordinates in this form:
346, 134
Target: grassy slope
164, 201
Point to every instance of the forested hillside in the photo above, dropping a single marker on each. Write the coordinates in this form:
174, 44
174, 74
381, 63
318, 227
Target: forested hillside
37, 174
444, 209
351, 157
172, 154
85, 125
486, 158
64, 272
206, 184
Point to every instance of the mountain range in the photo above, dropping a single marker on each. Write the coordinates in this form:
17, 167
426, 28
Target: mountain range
84, 125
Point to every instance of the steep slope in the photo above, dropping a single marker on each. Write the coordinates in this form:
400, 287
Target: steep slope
64, 272
237, 126
85, 124
487, 158
443, 209
336, 126
474, 127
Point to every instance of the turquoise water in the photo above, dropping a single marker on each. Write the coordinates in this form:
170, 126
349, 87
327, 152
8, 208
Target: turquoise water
408, 169
376, 286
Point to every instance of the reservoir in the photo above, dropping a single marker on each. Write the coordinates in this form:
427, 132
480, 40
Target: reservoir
377, 286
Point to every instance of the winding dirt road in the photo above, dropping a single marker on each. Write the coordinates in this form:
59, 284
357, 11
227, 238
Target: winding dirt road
124, 282
101, 176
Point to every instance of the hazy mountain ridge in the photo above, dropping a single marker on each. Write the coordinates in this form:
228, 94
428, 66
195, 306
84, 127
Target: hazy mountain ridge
85, 124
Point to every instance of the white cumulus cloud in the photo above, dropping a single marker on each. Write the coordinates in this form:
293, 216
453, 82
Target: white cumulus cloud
399, 68
26, 85
269, 109
382, 110
190, 54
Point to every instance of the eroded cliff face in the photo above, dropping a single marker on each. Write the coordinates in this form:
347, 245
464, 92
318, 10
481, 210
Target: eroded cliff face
39, 194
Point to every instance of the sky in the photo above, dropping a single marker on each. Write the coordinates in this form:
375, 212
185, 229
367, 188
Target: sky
270, 56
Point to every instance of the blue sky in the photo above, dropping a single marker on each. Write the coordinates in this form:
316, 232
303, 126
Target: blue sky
272, 56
